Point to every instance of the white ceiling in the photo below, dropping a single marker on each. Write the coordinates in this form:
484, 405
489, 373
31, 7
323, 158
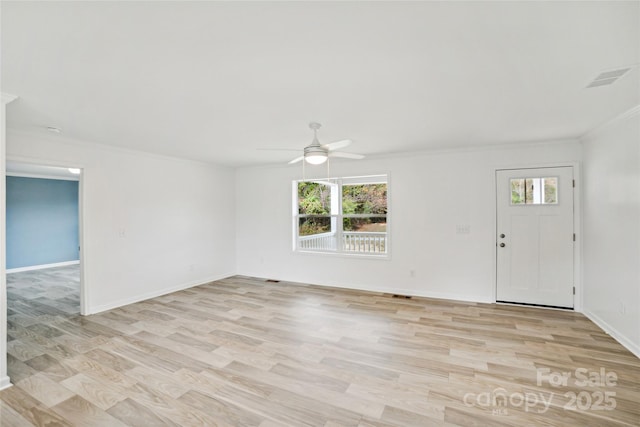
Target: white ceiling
215, 81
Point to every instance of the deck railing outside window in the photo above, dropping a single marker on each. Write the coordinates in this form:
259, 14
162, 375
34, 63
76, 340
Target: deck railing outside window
356, 242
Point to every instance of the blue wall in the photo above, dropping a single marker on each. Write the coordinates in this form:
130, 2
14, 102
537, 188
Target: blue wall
42, 221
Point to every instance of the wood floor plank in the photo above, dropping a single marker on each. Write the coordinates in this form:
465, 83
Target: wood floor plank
291, 380
166, 384
44, 389
101, 395
96, 370
225, 412
80, 412
132, 413
11, 418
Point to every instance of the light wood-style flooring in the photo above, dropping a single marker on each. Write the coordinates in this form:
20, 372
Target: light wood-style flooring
246, 352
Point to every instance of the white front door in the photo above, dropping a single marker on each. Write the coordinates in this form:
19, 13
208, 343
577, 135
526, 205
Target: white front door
534, 241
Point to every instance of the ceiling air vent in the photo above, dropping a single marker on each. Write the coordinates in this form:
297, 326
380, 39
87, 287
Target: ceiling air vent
607, 77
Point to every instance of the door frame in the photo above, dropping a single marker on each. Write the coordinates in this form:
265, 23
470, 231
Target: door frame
577, 224
84, 294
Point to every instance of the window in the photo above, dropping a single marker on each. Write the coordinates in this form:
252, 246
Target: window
341, 215
534, 191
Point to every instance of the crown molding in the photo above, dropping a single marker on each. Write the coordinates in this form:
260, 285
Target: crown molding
429, 152
634, 111
99, 146
7, 98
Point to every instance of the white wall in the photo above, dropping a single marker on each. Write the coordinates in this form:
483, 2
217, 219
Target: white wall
611, 224
151, 224
429, 195
4, 378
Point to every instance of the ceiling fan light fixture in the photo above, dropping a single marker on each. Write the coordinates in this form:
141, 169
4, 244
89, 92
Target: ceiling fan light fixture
316, 159
315, 155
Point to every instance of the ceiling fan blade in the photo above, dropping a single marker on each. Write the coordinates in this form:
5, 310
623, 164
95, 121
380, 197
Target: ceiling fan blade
344, 155
296, 160
337, 144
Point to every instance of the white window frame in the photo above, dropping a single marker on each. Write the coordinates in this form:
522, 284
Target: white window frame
333, 242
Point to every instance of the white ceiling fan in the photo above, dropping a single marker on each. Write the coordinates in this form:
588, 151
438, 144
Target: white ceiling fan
316, 153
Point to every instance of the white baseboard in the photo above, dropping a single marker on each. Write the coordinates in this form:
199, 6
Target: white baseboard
398, 291
5, 382
42, 266
154, 294
419, 293
627, 343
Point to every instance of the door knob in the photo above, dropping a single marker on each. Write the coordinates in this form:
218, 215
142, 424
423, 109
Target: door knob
502, 245
502, 236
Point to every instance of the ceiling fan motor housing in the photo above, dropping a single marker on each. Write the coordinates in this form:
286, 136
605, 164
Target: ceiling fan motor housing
315, 150
315, 154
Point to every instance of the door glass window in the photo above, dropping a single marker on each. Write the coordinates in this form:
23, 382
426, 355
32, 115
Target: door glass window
534, 191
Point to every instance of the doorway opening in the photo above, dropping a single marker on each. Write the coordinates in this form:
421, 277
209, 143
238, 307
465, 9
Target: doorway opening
43, 242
